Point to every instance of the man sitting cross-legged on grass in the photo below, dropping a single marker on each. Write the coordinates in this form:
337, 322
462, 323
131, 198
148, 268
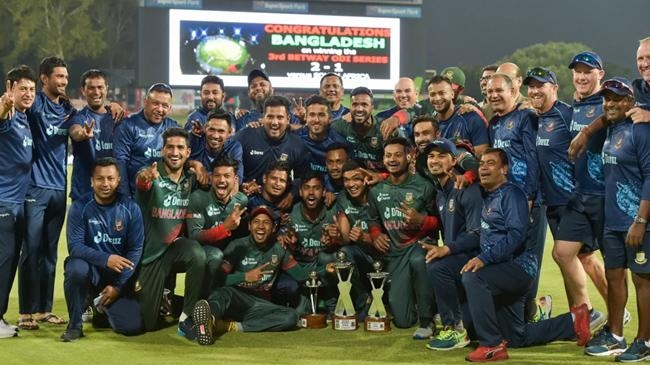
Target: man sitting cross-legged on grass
252, 264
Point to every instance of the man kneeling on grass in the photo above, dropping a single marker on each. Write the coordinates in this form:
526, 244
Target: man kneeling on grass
252, 264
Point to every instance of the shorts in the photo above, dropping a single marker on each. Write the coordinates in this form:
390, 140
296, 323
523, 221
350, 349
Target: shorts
618, 255
582, 221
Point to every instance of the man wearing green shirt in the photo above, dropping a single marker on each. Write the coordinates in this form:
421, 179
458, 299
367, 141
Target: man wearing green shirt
163, 193
214, 216
252, 264
400, 214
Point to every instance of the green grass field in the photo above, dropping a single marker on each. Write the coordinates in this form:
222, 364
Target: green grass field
298, 347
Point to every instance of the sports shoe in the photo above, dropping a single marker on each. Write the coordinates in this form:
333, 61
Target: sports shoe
204, 322
72, 334
7, 330
581, 323
637, 351
187, 329
423, 333
546, 306
486, 353
87, 315
449, 339
597, 320
604, 344
5, 324
627, 318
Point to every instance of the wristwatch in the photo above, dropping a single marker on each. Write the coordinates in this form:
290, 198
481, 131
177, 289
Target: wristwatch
639, 220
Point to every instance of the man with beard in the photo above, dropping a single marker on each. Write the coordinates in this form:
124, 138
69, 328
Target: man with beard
331, 88
217, 142
400, 213
626, 159
163, 193
213, 94
91, 131
259, 90
138, 140
513, 130
317, 134
336, 156
252, 265
452, 124
496, 280
214, 217
276, 182
14, 179
105, 234
460, 212
363, 133
263, 146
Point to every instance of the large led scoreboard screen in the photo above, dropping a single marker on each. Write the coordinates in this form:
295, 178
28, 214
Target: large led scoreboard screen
294, 50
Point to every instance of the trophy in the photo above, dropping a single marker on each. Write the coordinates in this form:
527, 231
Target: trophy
377, 319
345, 318
313, 319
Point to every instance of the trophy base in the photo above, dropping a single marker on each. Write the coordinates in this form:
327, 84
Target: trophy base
377, 324
344, 323
313, 321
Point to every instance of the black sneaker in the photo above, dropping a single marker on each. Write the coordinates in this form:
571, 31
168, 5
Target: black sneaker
204, 322
72, 334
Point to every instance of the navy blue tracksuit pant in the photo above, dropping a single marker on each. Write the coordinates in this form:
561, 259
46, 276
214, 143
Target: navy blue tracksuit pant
495, 295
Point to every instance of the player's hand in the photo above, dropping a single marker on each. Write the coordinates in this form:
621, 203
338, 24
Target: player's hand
388, 127
330, 199
347, 117
288, 239
118, 263
468, 108
333, 231
527, 105
473, 265
381, 243
466, 99
255, 124
285, 203
371, 178
197, 129
150, 173
257, 273
635, 235
233, 219
299, 109
240, 113
411, 216
117, 112
250, 187
88, 130
638, 115
201, 173
434, 252
7, 99
109, 295
460, 181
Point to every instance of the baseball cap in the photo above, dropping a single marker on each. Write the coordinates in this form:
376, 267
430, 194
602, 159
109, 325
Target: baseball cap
442, 145
588, 58
256, 73
263, 209
455, 74
541, 74
618, 85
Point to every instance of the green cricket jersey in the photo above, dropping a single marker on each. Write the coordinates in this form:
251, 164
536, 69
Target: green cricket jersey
383, 202
164, 208
368, 148
356, 214
206, 212
309, 233
243, 255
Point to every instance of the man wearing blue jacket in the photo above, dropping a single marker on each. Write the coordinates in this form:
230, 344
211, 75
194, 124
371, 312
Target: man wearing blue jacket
105, 236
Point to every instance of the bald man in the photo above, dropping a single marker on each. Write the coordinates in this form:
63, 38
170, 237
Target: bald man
514, 72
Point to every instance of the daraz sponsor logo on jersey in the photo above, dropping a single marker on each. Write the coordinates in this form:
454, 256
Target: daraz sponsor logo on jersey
27, 142
151, 153
101, 145
542, 141
311, 243
256, 153
499, 143
392, 213
174, 200
53, 130
105, 238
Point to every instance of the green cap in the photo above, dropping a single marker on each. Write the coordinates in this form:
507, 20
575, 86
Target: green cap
455, 74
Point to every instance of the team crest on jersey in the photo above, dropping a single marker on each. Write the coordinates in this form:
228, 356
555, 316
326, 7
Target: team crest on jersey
284, 157
119, 225
374, 142
449, 74
591, 112
408, 198
619, 143
550, 126
274, 259
510, 124
451, 207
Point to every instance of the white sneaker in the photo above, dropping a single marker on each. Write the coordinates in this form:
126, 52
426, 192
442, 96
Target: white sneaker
423, 333
4, 323
627, 318
6, 330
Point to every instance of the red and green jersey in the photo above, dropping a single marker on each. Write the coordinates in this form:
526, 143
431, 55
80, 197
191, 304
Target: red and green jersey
310, 233
368, 148
206, 214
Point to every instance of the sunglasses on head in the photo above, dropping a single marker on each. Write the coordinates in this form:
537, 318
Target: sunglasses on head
539, 72
586, 58
617, 85
160, 87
